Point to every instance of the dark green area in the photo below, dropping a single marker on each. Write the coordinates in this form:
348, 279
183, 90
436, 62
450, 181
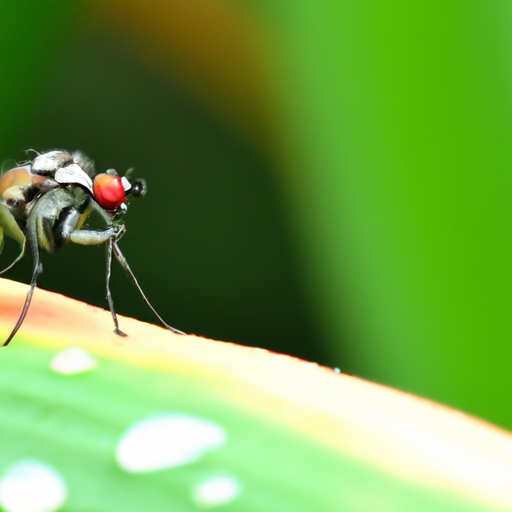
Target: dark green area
209, 243
74, 422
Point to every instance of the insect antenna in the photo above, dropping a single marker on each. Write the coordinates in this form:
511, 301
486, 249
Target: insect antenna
37, 269
122, 260
109, 295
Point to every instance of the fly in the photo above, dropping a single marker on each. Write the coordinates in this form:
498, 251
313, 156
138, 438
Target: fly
44, 204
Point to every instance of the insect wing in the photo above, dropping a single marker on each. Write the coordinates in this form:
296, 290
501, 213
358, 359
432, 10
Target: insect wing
73, 173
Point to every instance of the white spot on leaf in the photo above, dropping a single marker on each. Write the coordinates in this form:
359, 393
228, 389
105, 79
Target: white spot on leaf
73, 360
216, 491
32, 486
166, 441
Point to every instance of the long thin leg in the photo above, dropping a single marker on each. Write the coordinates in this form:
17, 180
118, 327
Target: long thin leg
124, 264
37, 269
9, 225
22, 253
91, 237
109, 295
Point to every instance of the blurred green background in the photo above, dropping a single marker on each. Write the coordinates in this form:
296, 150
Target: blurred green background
327, 179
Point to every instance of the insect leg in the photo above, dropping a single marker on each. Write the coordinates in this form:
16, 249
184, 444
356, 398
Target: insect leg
88, 237
109, 295
36, 270
21, 254
11, 228
122, 260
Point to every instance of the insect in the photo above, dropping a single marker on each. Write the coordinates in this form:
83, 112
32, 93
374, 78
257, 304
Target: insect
44, 204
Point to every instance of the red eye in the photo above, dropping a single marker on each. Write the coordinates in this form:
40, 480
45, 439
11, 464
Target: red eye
109, 191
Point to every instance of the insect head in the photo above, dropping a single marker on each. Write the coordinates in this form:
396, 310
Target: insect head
45, 202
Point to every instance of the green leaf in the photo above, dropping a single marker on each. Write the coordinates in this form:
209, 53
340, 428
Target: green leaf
158, 421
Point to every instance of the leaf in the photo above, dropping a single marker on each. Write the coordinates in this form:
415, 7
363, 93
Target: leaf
157, 421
